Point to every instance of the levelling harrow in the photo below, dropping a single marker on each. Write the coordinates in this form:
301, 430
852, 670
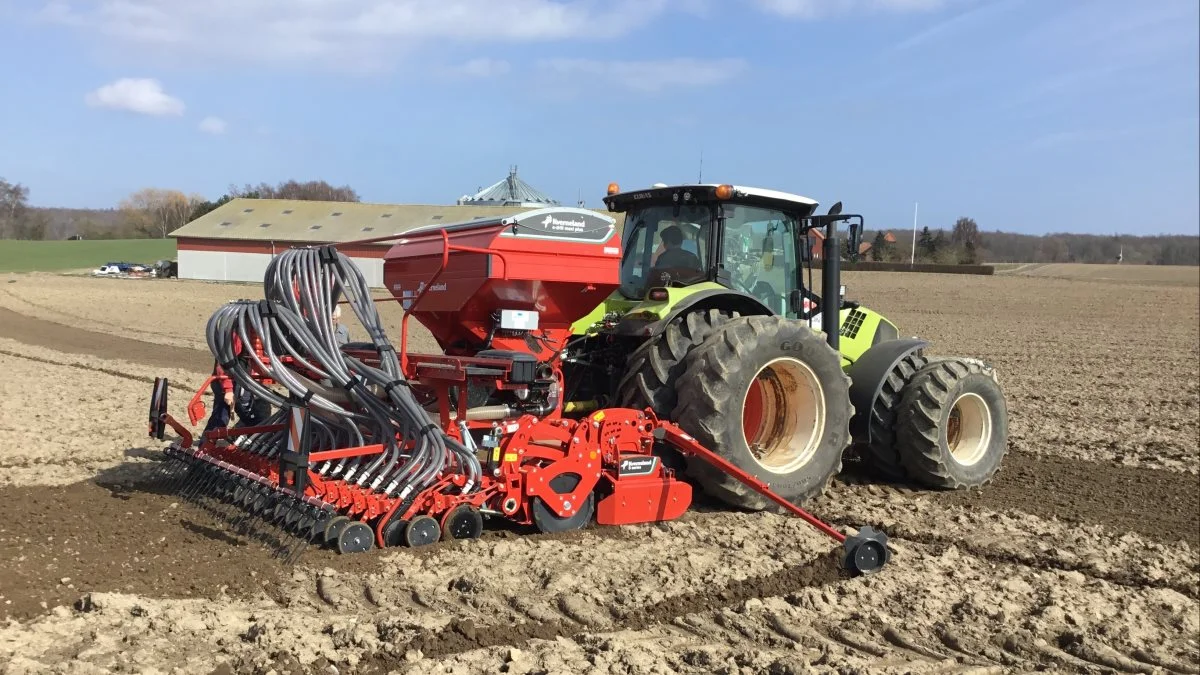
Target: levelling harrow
372, 446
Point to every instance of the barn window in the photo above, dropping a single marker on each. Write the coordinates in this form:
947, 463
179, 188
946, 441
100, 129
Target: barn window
386, 215
337, 213
314, 227
286, 211
226, 224
436, 218
265, 225
247, 210
368, 229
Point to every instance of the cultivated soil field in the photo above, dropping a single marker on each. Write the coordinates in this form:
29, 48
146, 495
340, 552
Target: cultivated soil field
1080, 557
1135, 274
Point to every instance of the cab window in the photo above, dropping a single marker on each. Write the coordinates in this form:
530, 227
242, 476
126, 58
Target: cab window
760, 255
663, 248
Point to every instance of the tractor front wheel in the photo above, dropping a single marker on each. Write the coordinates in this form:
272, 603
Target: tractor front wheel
769, 395
952, 425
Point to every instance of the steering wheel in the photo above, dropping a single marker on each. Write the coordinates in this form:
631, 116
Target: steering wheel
665, 276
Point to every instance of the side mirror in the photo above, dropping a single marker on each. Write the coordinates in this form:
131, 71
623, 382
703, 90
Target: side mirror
855, 240
836, 209
768, 252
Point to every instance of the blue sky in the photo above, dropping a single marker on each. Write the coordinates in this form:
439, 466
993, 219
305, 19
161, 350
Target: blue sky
1028, 115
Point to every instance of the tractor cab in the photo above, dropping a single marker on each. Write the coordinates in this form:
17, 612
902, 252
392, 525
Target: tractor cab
748, 240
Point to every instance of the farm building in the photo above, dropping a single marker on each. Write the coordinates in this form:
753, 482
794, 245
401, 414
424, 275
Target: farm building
817, 239
236, 241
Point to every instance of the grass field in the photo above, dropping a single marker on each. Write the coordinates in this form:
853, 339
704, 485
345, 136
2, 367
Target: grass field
58, 256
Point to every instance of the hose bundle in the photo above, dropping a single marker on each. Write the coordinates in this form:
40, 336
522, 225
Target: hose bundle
302, 286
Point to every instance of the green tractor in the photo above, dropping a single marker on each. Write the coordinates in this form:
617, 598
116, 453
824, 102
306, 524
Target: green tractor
717, 325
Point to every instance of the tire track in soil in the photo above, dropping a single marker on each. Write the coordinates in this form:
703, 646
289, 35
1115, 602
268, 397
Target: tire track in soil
1159, 504
96, 369
1035, 561
59, 337
463, 635
1155, 503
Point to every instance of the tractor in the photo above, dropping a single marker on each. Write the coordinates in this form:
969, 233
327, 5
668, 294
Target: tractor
581, 378
717, 320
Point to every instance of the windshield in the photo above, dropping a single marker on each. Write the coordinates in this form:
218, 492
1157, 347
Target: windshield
664, 248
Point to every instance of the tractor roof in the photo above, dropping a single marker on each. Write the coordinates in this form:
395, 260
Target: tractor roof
623, 201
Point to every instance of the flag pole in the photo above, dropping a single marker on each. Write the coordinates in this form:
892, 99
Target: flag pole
913, 257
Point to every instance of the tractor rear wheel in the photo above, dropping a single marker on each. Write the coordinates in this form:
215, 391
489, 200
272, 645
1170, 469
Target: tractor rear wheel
881, 455
952, 425
786, 386
651, 370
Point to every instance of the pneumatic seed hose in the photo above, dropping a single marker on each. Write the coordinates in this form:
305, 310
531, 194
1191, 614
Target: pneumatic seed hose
301, 288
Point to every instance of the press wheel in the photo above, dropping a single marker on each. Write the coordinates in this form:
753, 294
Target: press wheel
356, 537
462, 522
393, 532
422, 531
334, 529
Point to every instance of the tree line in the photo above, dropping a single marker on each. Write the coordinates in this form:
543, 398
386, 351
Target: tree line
964, 243
155, 213
149, 213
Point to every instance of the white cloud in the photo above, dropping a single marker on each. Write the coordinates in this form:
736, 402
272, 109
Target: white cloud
213, 125
648, 76
819, 9
340, 33
138, 95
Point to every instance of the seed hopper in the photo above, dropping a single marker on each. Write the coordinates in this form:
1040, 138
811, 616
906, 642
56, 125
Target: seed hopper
369, 445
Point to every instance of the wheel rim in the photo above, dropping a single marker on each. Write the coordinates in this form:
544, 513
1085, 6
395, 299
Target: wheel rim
969, 429
783, 415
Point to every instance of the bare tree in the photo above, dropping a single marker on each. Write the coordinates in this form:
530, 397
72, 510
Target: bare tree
13, 198
313, 190
155, 212
965, 230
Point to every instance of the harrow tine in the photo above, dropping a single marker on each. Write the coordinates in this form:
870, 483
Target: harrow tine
243, 523
185, 469
200, 480
171, 473
162, 470
180, 467
296, 553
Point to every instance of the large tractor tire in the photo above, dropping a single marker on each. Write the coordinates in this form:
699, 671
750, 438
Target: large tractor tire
881, 455
786, 387
651, 370
952, 425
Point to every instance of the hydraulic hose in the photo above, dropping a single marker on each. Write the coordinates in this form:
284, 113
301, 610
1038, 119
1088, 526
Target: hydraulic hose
301, 288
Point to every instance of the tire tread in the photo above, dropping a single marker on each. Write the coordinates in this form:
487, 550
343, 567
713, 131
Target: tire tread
707, 405
918, 422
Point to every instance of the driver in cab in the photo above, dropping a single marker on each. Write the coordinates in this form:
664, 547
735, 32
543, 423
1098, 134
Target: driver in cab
675, 256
